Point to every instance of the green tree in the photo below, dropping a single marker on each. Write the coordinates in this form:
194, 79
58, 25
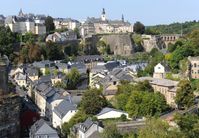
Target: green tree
50, 26
110, 131
76, 30
47, 71
184, 95
156, 128
60, 85
29, 38
54, 52
7, 39
73, 79
188, 124
139, 28
93, 101
146, 104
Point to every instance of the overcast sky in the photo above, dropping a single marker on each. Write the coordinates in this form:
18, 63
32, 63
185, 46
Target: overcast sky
149, 12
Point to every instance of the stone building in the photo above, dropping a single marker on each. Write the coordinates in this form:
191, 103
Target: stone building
24, 23
193, 67
103, 25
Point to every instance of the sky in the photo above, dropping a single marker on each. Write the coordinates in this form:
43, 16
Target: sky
149, 12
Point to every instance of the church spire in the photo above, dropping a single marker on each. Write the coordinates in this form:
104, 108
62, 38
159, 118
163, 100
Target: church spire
122, 18
103, 16
21, 12
103, 11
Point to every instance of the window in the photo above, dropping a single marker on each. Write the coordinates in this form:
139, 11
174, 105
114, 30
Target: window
195, 65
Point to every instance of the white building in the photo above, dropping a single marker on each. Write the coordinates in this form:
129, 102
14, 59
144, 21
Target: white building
62, 37
159, 71
24, 23
21, 79
110, 113
62, 113
61, 23
87, 129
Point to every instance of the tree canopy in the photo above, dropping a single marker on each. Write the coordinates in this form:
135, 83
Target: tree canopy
50, 26
139, 28
184, 95
93, 101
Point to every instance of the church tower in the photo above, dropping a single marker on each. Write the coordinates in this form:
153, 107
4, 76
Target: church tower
122, 18
103, 16
4, 75
21, 14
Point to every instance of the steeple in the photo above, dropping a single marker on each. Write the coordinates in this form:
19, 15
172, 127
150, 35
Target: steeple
122, 18
103, 11
103, 16
21, 12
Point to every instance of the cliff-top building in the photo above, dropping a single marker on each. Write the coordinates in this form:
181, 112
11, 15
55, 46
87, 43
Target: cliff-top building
24, 23
103, 25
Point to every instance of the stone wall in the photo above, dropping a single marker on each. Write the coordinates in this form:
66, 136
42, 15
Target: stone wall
10, 106
150, 42
120, 44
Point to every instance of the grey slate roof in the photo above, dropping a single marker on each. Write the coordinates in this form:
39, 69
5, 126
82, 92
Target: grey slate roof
87, 124
44, 64
41, 127
89, 58
107, 109
64, 107
31, 71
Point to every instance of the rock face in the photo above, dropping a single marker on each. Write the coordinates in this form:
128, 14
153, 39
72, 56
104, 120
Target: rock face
10, 106
120, 44
4, 75
150, 42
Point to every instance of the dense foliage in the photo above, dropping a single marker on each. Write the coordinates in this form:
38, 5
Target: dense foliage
93, 101
156, 128
50, 26
174, 28
139, 28
7, 40
184, 95
73, 79
188, 124
140, 100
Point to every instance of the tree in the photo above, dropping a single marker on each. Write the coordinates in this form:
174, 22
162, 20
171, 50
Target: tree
139, 28
76, 30
73, 79
54, 52
184, 95
7, 38
156, 128
146, 104
60, 85
28, 38
50, 26
93, 101
188, 124
110, 131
